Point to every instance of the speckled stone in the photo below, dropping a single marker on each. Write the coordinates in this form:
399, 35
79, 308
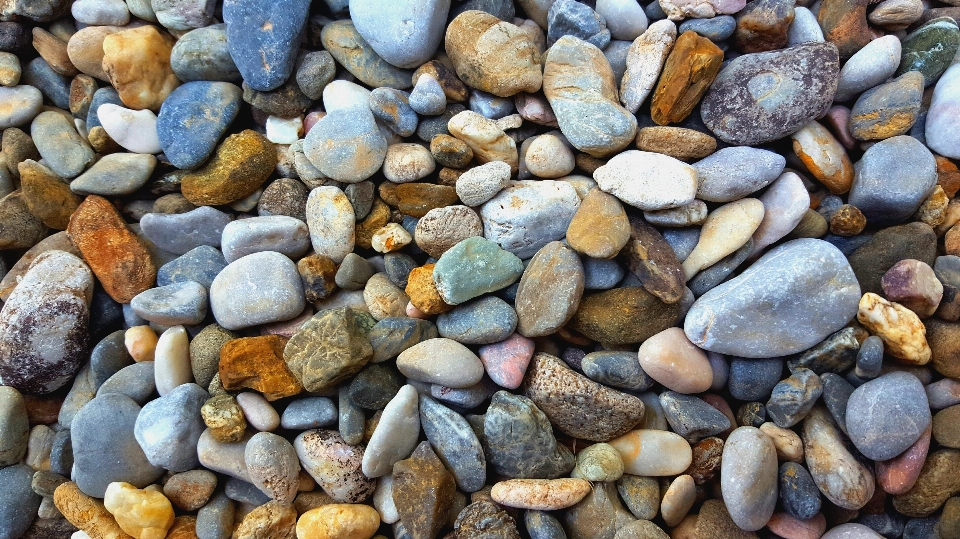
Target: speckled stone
519, 440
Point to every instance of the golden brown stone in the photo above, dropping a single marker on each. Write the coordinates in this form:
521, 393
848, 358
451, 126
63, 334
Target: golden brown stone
417, 199
588, 163
600, 228
119, 259
19, 229
257, 363
623, 316
242, 163
811, 225
378, 217
824, 157
47, 196
688, 72
679, 142
944, 341
902, 332
948, 176
453, 88
54, 50
847, 221
86, 513
423, 492
449, 176
184, 527
272, 520
450, 151
951, 241
317, 272
223, 416
82, 88
933, 210
423, 291
137, 61
101, 141
653, 262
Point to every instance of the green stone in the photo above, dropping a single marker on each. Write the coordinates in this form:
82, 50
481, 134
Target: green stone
474, 267
930, 49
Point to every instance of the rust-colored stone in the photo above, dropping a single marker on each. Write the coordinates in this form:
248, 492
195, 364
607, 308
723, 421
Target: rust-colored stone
706, 459
423, 491
242, 163
423, 291
257, 363
762, 25
948, 176
844, 23
119, 259
944, 341
47, 196
679, 142
847, 221
86, 513
417, 199
688, 72
43, 409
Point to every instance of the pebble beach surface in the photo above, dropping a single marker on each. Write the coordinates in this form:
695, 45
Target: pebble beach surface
479, 269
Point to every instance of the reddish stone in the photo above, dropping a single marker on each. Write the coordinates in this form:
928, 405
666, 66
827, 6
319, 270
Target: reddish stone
707, 454
506, 361
948, 176
687, 73
788, 527
899, 474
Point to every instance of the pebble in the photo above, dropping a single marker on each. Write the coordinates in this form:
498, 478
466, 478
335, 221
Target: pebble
455, 443
870, 66
263, 40
183, 232
529, 214
877, 412
395, 435
479, 184
900, 157
485, 138
115, 175
732, 173
900, 329
258, 412
930, 49
549, 290
16, 427
749, 482
327, 349
888, 109
691, 417
137, 63
168, 428
174, 304
484, 321
672, 360
346, 521
193, 118
273, 466
349, 49
141, 513
938, 131
237, 170
851, 531
18, 503
840, 477
519, 440
279, 233
648, 181
688, 72
798, 493
914, 285
423, 492
61, 147
540, 494
725, 230
793, 398
190, 490
20, 105
653, 453
441, 361
236, 305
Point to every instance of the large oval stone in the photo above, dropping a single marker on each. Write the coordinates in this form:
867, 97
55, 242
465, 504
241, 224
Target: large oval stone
838, 474
758, 98
789, 300
887, 415
748, 477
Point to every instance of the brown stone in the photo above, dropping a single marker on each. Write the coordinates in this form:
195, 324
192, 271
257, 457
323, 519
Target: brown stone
576, 405
54, 50
449, 176
844, 23
450, 151
47, 196
184, 527
485, 520
416, 199
137, 61
223, 416
811, 225
101, 141
599, 228
423, 492
938, 481
19, 229
329, 348
847, 221
623, 316
654, 262
378, 217
17, 147
588, 163
82, 88
119, 259
317, 273
43, 409
933, 210
688, 72
86, 513
949, 308
706, 460
423, 291
946, 427
240, 166
453, 88
944, 341
679, 142
85, 49
272, 520
257, 363
714, 522
762, 25
190, 490
948, 176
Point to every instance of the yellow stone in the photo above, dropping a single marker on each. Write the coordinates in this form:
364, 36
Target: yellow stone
86, 513
141, 343
242, 163
339, 521
142, 513
137, 61
904, 335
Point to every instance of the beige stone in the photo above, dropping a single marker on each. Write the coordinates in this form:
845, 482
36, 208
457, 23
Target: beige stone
272, 520
672, 360
407, 162
85, 49
548, 157
141, 343
726, 229
645, 59
142, 513
600, 227
654, 453
86, 513
902, 332
678, 500
485, 138
339, 521
390, 238
787, 442
137, 62
383, 298
540, 494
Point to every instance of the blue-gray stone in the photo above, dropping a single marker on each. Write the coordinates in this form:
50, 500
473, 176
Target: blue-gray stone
519, 440
490, 106
892, 179
133, 381
61, 453
682, 240
692, 417
350, 418
455, 443
181, 232
848, 244
836, 393
264, 38
616, 369
215, 519
787, 301
18, 501
616, 55
115, 174
829, 206
464, 398
398, 267
169, 428
374, 386
600, 274
309, 413
836, 353
350, 50
105, 313
54, 86
437, 125
193, 118
886, 524
314, 71
543, 525
103, 96
947, 270
753, 379
200, 264
715, 274
715, 29
392, 107
427, 97
203, 54
793, 398
887, 415
346, 145
735, 172
405, 33
21, 104
922, 528
241, 491
654, 11
394, 335
721, 370
108, 357
799, 495
501, 9
869, 358
484, 321
105, 449
183, 303
571, 18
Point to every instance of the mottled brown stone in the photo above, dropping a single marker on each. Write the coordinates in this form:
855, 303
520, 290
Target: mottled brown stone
679, 142
416, 199
327, 349
240, 166
423, 291
654, 262
378, 217
844, 23
317, 273
623, 316
762, 25
688, 72
600, 227
847, 221
938, 481
257, 363
423, 492
47, 196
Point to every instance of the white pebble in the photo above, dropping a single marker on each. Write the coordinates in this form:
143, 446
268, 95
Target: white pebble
134, 130
260, 414
172, 367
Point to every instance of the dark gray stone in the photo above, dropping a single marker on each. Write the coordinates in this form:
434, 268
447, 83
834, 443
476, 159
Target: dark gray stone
692, 417
715, 29
394, 335
455, 443
870, 358
54, 86
484, 321
543, 525
18, 501
572, 18
519, 441
215, 519
375, 385
309, 413
836, 353
183, 303
350, 418
241, 491
134, 381
398, 267
616, 369
182, 232
793, 398
836, 393
799, 495
752, 379
108, 357
263, 37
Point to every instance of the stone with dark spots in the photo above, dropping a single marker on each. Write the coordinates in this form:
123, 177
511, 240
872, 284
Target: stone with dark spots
887, 247
423, 492
844, 23
486, 520
327, 349
623, 315
836, 353
616, 369
799, 495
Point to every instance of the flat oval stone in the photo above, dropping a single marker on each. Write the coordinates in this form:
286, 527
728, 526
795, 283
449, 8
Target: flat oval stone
647, 180
576, 405
346, 145
335, 465
519, 441
201, 264
455, 443
870, 66
285, 235
350, 50
930, 49
529, 214
616, 369
599, 228
175, 304
202, 54
241, 164
540, 494
441, 361
474, 267
841, 478
903, 160
735, 172
484, 321
169, 428
263, 38
808, 291
887, 415
759, 98
309, 413
50, 304
623, 315
19, 105
62, 148
748, 477
549, 291
672, 360
395, 435
115, 175
193, 118
238, 303
105, 449
653, 453
331, 221
182, 232
406, 34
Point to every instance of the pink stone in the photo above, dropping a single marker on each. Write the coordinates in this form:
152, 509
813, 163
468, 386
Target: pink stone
914, 285
837, 119
289, 327
943, 393
788, 527
414, 312
721, 404
535, 108
506, 361
898, 475
311, 119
